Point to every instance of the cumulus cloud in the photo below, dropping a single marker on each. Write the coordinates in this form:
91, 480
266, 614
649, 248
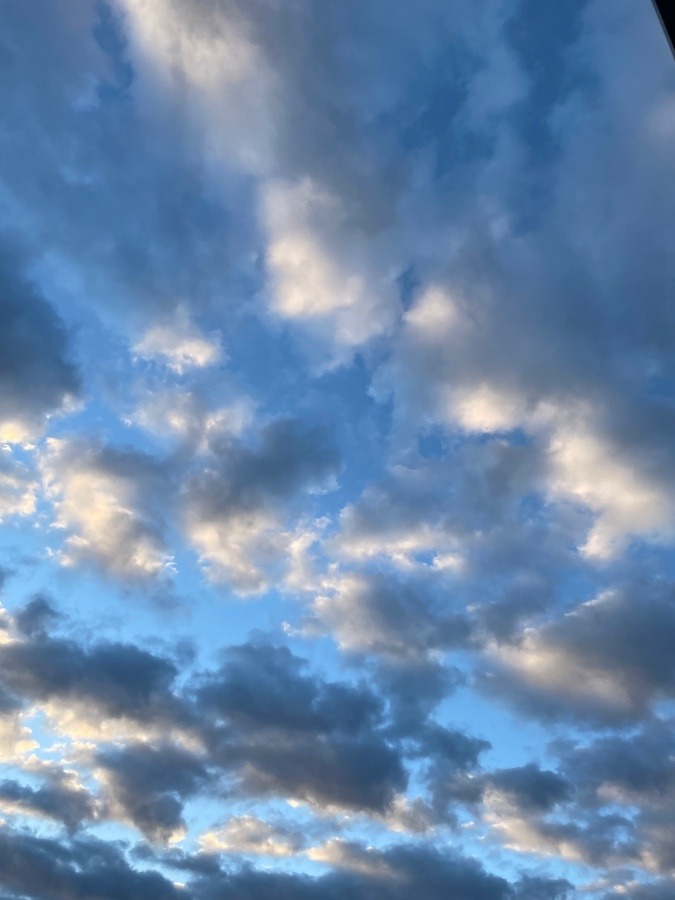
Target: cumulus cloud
380, 296
46, 867
118, 680
18, 488
148, 784
37, 376
109, 502
324, 276
60, 798
286, 733
250, 836
395, 617
237, 507
607, 660
179, 344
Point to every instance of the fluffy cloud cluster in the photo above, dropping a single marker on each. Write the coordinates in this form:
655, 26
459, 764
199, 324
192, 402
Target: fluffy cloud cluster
361, 312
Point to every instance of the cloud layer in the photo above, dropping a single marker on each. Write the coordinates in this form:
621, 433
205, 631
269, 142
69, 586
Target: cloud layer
336, 458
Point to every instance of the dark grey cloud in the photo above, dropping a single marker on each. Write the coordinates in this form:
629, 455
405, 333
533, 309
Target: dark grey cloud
281, 731
531, 788
150, 784
266, 686
634, 773
640, 765
48, 869
466, 520
526, 790
414, 689
290, 454
57, 799
120, 680
36, 374
472, 487
34, 618
390, 874
607, 661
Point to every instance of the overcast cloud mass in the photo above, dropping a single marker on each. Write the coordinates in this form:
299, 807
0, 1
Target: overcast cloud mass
337, 470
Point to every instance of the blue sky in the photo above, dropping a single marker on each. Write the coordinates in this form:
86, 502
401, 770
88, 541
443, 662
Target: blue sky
336, 464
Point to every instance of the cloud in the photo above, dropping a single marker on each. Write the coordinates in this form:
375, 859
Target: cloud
275, 100
390, 874
32, 619
37, 378
250, 836
237, 507
18, 489
148, 785
116, 679
112, 504
529, 788
178, 344
446, 232
607, 661
328, 279
283, 732
48, 868
60, 799
397, 617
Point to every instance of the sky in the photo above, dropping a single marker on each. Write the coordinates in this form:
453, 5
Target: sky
337, 419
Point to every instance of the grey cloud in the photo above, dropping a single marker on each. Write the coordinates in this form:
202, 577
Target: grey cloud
118, 679
353, 773
304, 83
526, 791
606, 662
475, 486
546, 313
603, 840
290, 455
414, 689
57, 799
640, 765
364, 873
633, 772
268, 686
241, 506
392, 874
468, 521
47, 869
404, 617
658, 890
78, 161
33, 618
284, 732
150, 784
36, 374
531, 788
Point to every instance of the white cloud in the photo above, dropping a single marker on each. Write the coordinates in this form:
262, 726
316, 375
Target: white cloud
325, 275
250, 835
18, 489
179, 345
108, 502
